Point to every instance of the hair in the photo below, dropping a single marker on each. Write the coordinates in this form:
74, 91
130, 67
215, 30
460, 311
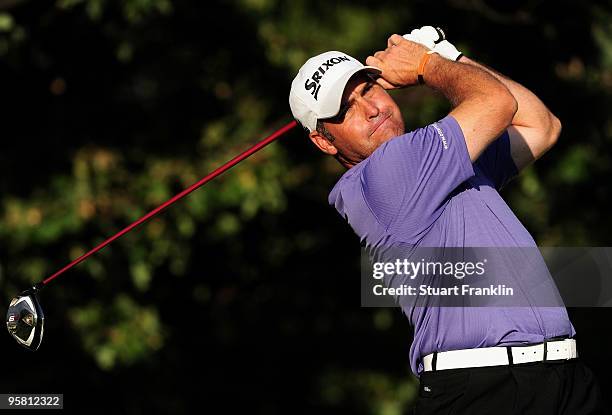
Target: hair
324, 131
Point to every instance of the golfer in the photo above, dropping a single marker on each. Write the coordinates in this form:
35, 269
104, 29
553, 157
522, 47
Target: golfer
438, 186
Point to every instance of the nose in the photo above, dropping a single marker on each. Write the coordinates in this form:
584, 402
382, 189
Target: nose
370, 108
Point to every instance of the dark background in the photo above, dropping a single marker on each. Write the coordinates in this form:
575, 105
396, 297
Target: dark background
246, 294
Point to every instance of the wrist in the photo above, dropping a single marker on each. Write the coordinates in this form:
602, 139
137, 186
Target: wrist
427, 66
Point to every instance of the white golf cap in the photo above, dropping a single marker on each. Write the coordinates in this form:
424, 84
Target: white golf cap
316, 91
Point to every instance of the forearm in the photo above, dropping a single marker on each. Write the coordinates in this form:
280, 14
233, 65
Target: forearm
532, 130
531, 111
482, 105
460, 81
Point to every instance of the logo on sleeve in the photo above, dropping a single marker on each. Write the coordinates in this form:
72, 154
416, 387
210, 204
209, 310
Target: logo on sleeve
441, 134
313, 82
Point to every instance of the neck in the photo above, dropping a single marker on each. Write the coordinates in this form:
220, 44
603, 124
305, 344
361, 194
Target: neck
345, 161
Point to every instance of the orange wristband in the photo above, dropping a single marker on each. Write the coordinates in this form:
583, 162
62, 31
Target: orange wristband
421, 70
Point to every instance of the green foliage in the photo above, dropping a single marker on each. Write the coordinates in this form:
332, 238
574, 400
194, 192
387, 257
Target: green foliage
377, 393
6, 22
122, 332
133, 11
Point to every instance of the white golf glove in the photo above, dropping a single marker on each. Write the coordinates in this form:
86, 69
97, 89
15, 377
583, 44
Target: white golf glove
434, 39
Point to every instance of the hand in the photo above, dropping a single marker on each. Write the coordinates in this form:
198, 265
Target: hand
427, 36
435, 39
399, 62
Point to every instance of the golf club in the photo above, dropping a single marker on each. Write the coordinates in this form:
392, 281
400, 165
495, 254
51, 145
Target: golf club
25, 318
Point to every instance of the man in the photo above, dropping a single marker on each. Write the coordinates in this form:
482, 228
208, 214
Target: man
438, 186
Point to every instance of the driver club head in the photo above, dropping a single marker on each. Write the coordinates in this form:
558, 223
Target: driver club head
25, 319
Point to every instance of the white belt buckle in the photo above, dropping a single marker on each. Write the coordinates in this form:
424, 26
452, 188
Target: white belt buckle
571, 349
562, 350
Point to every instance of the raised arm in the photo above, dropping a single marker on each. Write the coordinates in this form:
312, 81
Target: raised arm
482, 105
534, 129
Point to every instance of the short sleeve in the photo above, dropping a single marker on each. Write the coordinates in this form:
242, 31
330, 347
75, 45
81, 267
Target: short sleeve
496, 162
407, 180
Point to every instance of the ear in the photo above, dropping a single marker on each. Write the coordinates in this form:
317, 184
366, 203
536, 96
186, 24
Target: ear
322, 143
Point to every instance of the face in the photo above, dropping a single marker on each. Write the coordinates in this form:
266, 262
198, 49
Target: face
368, 117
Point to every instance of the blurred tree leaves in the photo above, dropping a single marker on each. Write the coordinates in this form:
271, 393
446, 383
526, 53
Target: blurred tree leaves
370, 392
122, 332
133, 11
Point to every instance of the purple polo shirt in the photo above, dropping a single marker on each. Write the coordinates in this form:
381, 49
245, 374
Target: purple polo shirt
422, 189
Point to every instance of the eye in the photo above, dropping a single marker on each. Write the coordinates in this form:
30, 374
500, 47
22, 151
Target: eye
344, 109
368, 88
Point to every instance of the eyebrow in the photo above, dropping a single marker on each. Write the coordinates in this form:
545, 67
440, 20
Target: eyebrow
348, 103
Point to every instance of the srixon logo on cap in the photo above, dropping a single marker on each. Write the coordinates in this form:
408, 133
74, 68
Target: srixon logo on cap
313, 81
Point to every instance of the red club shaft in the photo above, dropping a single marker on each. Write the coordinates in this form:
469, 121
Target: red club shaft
179, 196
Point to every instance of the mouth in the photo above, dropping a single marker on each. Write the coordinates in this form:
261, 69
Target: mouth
379, 123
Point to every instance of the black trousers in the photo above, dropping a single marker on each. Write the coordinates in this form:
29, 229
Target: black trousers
565, 387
